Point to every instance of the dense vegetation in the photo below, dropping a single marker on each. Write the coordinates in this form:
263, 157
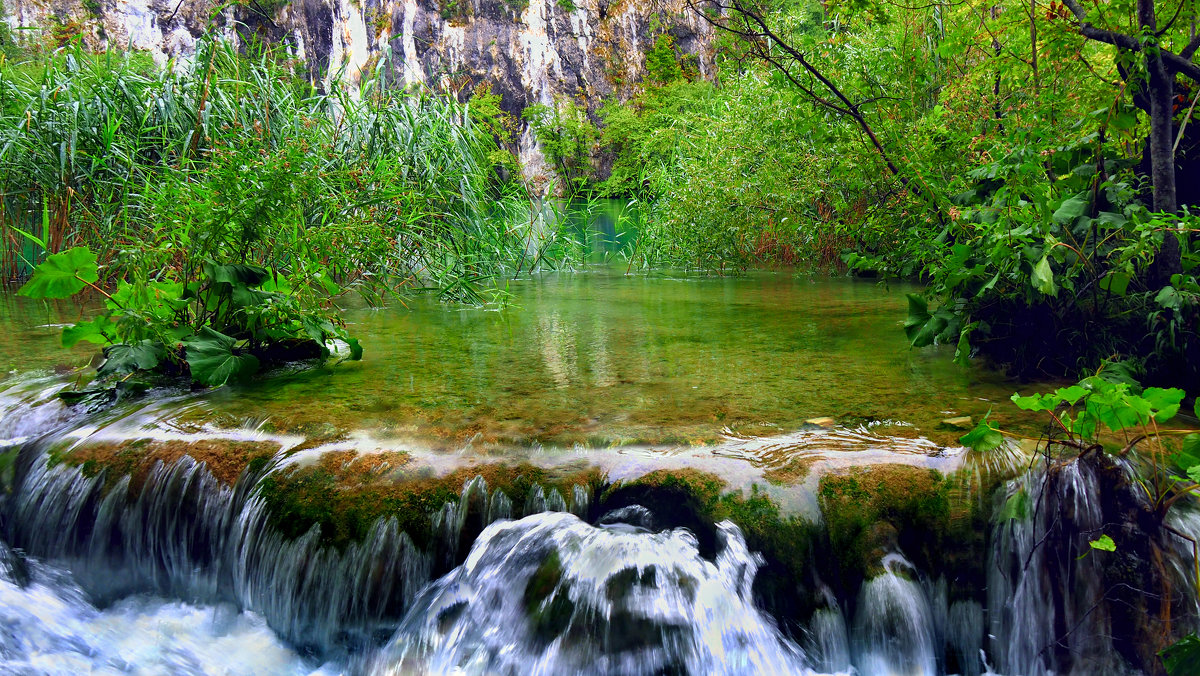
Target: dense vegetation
999, 151
224, 205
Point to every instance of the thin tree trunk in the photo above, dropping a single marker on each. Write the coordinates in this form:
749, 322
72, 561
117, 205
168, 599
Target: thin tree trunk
1162, 157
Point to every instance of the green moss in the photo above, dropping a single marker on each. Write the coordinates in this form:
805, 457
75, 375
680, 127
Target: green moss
345, 493
870, 512
226, 459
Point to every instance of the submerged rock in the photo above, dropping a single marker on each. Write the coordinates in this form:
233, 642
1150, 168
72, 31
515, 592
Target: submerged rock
963, 422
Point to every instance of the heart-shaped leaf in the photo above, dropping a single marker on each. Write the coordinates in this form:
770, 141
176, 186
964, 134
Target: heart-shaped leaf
985, 437
62, 274
212, 360
141, 356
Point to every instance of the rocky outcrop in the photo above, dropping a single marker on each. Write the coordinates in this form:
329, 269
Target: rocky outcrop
528, 51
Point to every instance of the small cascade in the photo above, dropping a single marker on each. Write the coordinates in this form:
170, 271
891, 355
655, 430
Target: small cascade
51, 627
894, 629
322, 597
1183, 566
828, 642
1044, 591
167, 536
552, 594
964, 636
178, 532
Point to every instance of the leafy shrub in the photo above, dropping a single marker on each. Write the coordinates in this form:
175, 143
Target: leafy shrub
216, 323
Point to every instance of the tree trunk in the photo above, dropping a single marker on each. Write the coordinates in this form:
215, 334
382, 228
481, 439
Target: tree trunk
1160, 91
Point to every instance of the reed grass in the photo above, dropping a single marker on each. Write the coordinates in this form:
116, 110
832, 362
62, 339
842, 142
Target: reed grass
233, 158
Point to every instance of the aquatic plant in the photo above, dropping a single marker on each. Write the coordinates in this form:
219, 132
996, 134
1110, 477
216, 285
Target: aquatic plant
214, 322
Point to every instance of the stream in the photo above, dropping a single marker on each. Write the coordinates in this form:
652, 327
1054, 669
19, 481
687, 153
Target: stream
609, 474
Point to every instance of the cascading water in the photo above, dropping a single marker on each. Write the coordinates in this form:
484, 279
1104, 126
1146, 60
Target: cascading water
1047, 610
178, 571
894, 631
51, 627
551, 594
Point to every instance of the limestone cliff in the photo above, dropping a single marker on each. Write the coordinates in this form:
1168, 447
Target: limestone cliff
530, 51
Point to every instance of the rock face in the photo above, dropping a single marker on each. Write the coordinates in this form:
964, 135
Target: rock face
529, 51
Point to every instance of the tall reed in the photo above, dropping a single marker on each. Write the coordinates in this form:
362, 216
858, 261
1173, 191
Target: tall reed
232, 157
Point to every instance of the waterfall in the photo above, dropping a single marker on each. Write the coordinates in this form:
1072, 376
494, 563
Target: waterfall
178, 532
1046, 609
828, 640
560, 590
894, 630
50, 627
552, 594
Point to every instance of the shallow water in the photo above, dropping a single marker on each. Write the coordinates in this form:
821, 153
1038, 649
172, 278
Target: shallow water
602, 359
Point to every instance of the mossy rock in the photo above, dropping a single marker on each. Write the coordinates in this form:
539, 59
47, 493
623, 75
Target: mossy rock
873, 511
345, 493
226, 459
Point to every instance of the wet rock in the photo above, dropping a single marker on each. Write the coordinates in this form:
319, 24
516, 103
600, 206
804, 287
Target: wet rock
961, 422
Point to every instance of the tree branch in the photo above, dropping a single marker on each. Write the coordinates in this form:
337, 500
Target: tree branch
1176, 63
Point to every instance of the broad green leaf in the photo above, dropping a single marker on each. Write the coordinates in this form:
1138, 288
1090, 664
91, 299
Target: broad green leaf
356, 351
1187, 459
212, 360
1182, 657
931, 330
1071, 209
1115, 282
249, 275
142, 356
918, 316
1036, 402
962, 352
99, 331
1043, 277
1119, 410
1071, 395
246, 297
1118, 372
1165, 402
1104, 543
1169, 298
1111, 219
62, 274
985, 437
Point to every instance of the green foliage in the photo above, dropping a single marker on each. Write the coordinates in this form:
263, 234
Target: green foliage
1070, 258
1181, 657
985, 436
62, 275
566, 136
1110, 402
1104, 543
219, 322
662, 64
212, 360
230, 159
